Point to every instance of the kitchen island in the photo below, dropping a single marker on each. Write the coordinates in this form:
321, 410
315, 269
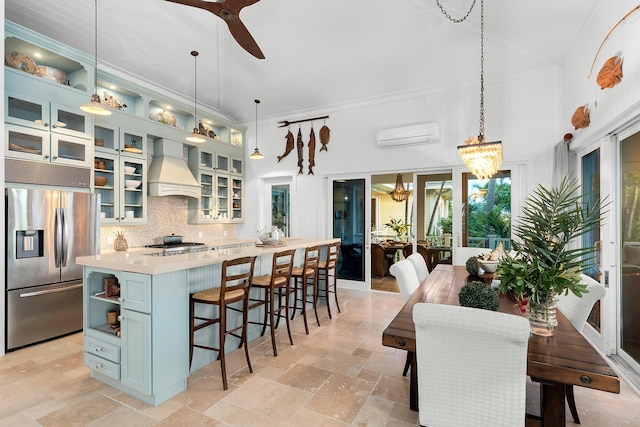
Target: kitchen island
148, 356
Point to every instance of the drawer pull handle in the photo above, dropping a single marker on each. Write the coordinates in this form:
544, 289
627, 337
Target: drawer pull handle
402, 343
97, 349
585, 379
98, 366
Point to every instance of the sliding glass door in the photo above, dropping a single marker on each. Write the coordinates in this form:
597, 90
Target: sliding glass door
349, 217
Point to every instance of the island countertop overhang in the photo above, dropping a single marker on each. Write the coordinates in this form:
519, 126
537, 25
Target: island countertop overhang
139, 260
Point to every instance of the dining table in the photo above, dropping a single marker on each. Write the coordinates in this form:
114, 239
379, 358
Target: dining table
563, 359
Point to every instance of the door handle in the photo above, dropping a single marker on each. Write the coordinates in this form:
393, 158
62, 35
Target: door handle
50, 291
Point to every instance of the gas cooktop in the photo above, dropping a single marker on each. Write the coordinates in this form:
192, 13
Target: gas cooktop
178, 248
173, 245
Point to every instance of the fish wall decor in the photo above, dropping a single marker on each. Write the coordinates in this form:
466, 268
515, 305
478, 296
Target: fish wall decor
580, 118
611, 73
300, 146
288, 147
312, 151
325, 134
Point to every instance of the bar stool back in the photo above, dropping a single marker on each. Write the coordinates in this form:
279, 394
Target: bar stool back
278, 279
234, 287
328, 268
306, 276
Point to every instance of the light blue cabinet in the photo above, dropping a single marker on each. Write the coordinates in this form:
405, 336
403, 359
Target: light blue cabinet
150, 357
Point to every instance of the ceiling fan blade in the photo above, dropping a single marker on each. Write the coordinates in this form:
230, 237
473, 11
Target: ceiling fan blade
229, 11
244, 37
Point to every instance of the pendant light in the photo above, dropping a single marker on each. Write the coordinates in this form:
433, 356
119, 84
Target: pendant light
482, 158
399, 194
195, 135
95, 106
256, 155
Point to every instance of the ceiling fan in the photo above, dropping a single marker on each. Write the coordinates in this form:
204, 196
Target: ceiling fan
229, 11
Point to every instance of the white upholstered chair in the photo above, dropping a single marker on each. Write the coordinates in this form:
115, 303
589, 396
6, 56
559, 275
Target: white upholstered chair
408, 282
577, 310
472, 366
420, 266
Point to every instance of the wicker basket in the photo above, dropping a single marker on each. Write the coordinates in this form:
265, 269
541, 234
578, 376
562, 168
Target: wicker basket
100, 181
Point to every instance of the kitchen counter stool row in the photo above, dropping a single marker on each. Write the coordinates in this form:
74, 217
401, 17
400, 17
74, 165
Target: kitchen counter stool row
283, 291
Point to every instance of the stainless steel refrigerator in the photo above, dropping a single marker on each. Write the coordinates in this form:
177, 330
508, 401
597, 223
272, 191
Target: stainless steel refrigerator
45, 231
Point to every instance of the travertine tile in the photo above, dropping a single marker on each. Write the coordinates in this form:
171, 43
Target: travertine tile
338, 375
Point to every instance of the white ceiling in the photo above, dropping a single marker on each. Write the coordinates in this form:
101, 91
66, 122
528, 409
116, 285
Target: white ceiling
319, 53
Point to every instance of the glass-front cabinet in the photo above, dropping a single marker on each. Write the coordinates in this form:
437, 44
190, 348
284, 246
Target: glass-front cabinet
41, 131
237, 198
124, 141
121, 183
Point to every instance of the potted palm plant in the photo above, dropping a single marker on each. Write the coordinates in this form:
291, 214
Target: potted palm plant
547, 261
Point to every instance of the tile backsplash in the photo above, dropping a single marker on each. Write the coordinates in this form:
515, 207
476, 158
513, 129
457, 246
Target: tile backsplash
165, 216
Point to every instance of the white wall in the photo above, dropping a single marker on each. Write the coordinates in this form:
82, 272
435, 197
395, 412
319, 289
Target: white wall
523, 111
577, 89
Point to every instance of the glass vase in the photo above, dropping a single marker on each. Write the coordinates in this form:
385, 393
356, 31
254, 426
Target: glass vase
542, 316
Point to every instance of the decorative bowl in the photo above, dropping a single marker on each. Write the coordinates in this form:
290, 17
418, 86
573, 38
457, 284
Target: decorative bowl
100, 181
132, 183
52, 74
130, 169
488, 266
20, 61
99, 142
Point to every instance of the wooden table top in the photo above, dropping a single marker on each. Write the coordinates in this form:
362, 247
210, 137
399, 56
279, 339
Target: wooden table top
564, 358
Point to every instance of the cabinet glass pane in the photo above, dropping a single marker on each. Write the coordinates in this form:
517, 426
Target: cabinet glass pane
236, 166
132, 143
25, 143
222, 163
70, 120
71, 150
206, 160
24, 110
106, 136
222, 193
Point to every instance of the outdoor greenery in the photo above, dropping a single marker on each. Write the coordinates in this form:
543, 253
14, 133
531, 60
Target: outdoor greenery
545, 261
478, 294
489, 207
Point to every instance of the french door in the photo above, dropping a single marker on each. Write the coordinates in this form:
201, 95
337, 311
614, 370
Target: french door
596, 170
349, 217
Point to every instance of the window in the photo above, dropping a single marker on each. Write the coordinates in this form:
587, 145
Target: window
487, 213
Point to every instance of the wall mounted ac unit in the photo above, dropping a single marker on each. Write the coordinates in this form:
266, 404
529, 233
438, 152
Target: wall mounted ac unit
424, 133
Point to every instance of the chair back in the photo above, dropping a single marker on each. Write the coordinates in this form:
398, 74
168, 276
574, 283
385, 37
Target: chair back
407, 278
472, 366
420, 266
378, 260
422, 250
577, 309
236, 276
407, 250
333, 253
312, 258
281, 267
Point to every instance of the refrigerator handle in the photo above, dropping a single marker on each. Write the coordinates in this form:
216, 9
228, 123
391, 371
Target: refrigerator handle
64, 242
57, 247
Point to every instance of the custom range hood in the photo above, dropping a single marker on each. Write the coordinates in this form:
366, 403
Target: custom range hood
168, 172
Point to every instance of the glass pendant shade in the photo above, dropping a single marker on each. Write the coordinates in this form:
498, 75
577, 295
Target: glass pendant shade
399, 194
482, 158
94, 106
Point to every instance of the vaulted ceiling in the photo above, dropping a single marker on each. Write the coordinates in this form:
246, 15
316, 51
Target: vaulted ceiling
319, 54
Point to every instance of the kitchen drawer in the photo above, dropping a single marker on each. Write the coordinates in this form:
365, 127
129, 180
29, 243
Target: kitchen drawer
102, 349
103, 366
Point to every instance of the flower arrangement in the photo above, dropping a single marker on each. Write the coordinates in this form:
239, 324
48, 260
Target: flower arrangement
398, 227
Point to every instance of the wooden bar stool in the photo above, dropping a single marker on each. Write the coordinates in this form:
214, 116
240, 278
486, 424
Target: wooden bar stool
234, 287
278, 281
327, 269
303, 277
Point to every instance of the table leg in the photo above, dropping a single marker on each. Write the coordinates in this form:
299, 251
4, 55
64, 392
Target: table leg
413, 382
553, 408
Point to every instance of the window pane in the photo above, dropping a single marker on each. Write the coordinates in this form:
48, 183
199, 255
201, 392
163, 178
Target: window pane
487, 220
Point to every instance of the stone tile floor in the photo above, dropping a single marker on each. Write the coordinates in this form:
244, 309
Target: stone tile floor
339, 375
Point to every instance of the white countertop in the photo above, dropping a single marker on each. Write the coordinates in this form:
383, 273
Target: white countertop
138, 260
